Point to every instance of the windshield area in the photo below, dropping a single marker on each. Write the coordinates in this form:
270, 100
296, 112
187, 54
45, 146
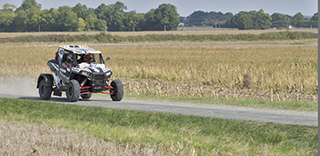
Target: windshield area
90, 58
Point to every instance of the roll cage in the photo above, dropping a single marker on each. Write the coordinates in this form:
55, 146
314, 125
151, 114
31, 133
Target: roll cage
78, 52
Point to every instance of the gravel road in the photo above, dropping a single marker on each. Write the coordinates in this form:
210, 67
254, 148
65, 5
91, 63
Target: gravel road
205, 110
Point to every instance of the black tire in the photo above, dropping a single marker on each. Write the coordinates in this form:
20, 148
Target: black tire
73, 91
117, 91
86, 96
44, 91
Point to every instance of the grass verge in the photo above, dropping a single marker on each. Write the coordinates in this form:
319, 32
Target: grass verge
244, 102
179, 134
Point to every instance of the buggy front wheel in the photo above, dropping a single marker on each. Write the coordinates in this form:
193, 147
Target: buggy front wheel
117, 91
73, 91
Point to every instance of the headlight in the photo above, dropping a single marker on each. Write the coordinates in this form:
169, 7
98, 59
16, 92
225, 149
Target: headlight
108, 73
75, 69
85, 73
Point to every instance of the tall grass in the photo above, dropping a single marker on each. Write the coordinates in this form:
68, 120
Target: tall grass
281, 72
280, 69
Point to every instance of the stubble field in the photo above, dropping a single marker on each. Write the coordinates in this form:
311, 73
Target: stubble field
276, 72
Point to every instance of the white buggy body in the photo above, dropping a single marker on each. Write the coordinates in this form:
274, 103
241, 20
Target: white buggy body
78, 77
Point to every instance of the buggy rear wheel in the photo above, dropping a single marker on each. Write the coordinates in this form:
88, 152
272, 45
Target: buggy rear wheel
73, 91
44, 91
117, 91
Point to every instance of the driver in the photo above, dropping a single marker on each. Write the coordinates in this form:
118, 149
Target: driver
88, 58
68, 63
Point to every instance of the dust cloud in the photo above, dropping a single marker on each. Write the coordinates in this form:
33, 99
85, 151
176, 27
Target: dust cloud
18, 86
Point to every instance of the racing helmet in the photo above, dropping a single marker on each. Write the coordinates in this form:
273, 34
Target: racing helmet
88, 58
69, 58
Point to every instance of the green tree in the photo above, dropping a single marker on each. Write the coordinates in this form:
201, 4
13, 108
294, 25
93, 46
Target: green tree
263, 20
8, 8
148, 22
166, 15
100, 25
101, 11
113, 14
6, 17
44, 20
90, 23
297, 20
314, 17
250, 20
279, 17
89, 12
81, 24
280, 20
231, 23
88, 15
67, 20
243, 20
20, 22
132, 19
208, 18
79, 9
48, 20
28, 16
28, 4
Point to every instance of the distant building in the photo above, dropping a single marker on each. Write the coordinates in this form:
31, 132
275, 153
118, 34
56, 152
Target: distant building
181, 25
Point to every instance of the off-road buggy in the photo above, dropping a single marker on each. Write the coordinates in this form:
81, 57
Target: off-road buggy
79, 71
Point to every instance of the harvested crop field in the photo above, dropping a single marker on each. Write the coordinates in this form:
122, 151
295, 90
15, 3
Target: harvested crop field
274, 70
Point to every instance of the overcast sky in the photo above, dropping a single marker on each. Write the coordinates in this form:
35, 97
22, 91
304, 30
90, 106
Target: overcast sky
186, 7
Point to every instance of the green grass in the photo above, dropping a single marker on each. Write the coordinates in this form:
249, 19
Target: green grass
254, 103
177, 133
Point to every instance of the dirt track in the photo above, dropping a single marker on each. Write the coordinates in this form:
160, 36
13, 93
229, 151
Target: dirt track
24, 89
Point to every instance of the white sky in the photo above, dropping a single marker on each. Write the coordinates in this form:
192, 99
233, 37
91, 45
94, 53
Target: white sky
186, 7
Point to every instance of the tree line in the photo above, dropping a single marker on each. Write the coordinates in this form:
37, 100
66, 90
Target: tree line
201, 18
30, 17
261, 20
249, 20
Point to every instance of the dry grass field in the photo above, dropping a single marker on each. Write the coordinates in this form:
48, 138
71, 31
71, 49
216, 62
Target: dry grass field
136, 33
19, 138
277, 72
